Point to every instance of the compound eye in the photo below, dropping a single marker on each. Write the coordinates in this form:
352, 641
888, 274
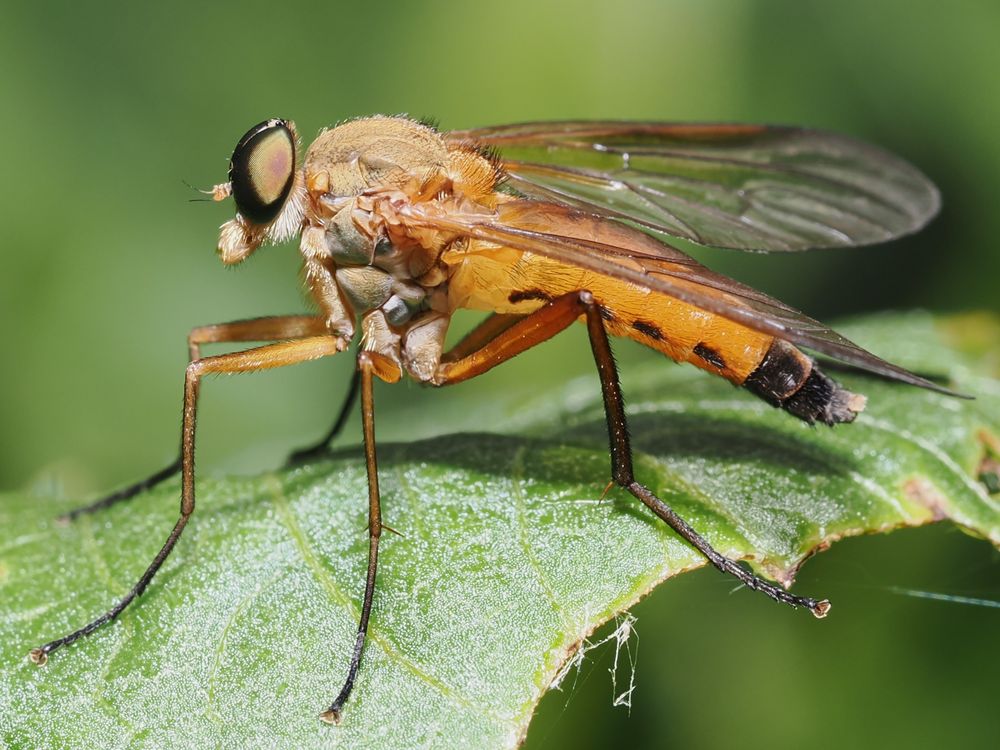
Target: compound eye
262, 170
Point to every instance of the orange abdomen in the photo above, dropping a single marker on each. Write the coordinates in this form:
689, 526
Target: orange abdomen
509, 281
505, 280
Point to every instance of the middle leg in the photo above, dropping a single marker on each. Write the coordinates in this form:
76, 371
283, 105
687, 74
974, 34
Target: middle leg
367, 368
545, 323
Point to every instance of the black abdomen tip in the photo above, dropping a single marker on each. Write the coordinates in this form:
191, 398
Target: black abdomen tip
789, 379
821, 399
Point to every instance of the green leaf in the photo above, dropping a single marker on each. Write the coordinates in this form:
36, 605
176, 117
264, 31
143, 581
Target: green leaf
508, 560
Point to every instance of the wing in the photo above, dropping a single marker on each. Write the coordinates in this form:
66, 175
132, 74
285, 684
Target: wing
748, 187
587, 241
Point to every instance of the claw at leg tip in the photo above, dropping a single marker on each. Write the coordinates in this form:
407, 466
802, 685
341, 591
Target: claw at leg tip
38, 656
330, 716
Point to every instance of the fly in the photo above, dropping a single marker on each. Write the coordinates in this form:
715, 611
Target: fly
542, 225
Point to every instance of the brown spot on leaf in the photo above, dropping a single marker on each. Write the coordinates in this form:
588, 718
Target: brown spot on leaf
922, 492
990, 441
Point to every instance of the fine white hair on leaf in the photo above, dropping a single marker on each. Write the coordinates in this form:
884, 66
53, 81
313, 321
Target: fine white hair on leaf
623, 641
622, 636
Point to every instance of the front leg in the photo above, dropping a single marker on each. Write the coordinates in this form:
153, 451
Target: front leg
261, 358
272, 328
542, 325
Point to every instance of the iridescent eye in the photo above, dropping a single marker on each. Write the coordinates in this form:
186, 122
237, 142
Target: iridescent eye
262, 170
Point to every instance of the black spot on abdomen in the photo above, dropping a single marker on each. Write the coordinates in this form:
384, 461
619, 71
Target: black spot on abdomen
524, 295
648, 329
708, 354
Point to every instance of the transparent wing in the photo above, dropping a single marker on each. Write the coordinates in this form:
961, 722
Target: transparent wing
613, 249
747, 187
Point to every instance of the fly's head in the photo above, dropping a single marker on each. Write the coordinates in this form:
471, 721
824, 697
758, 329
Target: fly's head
268, 189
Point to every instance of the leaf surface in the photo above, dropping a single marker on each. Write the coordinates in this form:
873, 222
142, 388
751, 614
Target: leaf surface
508, 558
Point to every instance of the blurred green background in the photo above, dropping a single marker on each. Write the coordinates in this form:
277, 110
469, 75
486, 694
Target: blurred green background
105, 266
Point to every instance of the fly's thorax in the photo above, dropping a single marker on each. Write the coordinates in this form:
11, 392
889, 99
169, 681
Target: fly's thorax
372, 271
397, 291
374, 152
364, 265
368, 288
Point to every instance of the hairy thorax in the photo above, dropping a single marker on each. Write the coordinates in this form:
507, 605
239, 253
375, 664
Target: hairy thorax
367, 275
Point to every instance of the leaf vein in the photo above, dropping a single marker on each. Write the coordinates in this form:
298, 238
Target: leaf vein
210, 710
323, 577
517, 485
21, 541
411, 496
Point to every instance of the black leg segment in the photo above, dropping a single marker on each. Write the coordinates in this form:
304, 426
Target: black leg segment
319, 448
621, 469
366, 369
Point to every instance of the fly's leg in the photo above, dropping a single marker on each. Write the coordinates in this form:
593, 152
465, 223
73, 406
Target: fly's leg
126, 493
621, 469
262, 358
489, 329
272, 328
481, 335
368, 367
547, 322
319, 448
